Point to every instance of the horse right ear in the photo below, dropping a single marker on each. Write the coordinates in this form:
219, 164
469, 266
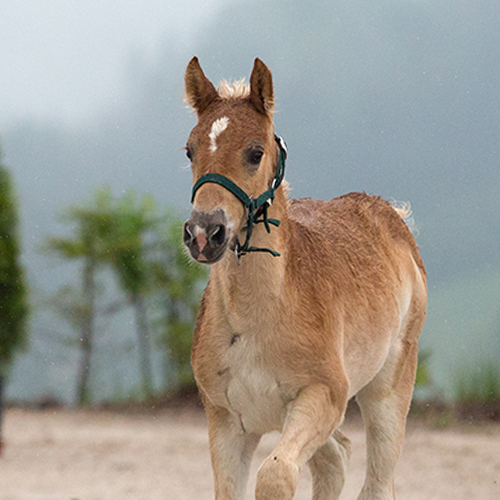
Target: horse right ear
261, 88
199, 89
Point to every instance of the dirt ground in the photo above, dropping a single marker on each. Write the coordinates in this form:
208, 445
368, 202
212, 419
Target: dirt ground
65, 455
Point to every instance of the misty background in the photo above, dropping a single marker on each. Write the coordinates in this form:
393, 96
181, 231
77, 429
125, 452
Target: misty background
399, 98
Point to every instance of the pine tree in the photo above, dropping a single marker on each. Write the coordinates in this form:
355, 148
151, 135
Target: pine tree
13, 299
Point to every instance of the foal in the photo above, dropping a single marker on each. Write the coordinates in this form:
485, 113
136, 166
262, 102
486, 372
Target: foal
321, 301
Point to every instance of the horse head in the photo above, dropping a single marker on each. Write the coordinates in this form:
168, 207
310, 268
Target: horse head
234, 157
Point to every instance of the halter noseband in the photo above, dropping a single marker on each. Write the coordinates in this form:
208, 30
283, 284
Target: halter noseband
254, 208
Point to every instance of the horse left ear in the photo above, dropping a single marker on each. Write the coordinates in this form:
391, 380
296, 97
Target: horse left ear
261, 88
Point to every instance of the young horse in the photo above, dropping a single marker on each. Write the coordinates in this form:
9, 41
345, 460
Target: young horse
327, 306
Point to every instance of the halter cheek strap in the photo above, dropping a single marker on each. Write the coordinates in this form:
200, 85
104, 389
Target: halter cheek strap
254, 208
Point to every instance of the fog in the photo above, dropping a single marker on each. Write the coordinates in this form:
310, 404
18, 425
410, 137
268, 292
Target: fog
66, 61
398, 98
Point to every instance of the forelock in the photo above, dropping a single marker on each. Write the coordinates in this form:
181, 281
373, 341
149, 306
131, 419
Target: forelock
234, 90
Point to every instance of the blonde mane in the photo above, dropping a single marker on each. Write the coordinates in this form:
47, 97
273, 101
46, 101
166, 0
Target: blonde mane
235, 90
402, 208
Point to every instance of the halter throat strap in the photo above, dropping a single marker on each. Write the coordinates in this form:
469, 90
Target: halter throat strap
255, 208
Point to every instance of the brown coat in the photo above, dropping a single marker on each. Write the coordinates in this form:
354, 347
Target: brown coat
283, 343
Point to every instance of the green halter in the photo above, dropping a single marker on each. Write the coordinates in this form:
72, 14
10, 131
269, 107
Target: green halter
254, 208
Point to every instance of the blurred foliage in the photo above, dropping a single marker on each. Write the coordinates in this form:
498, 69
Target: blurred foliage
478, 392
124, 225
463, 324
84, 244
480, 384
13, 294
423, 378
182, 281
142, 247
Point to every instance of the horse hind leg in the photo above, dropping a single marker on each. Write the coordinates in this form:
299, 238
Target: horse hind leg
384, 404
328, 467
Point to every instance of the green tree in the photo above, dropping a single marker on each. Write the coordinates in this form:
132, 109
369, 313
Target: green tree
145, 252
84, 245
127, 225
114, 232
181, 282
13, 293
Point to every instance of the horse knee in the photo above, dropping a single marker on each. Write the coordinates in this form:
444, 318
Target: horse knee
277, 479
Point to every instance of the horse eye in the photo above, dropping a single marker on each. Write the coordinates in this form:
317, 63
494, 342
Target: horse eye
189, 154
255, 156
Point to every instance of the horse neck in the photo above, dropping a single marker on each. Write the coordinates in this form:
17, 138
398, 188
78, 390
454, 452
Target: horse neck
254, 286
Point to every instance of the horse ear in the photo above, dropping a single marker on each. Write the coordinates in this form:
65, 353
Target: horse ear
261, 88
199, 90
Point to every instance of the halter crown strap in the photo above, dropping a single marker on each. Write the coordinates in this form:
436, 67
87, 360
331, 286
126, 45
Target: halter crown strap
255, 208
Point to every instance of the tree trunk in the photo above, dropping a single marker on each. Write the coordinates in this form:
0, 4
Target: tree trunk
170, 372
144, 346
2, 384
86, 331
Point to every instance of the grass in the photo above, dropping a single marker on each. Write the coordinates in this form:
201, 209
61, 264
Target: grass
463, 324
477, 392
423, 377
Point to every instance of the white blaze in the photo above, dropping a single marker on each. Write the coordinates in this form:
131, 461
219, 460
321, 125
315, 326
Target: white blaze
218, 126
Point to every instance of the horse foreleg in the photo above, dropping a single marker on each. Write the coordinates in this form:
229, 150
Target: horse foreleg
329, 467
309, 423
231, 451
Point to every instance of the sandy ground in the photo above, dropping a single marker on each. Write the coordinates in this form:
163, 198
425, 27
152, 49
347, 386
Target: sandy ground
64, 455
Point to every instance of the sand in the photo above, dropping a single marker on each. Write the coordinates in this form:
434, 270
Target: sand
85, 455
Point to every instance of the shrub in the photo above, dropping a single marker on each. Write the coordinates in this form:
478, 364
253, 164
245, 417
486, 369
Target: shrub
477, 392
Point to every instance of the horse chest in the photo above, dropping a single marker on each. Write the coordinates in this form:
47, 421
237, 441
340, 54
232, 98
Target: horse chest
252, 389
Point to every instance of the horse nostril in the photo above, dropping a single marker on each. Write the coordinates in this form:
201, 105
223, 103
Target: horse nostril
217, 234
187, 236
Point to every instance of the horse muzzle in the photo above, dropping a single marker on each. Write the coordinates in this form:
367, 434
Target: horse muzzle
206, 235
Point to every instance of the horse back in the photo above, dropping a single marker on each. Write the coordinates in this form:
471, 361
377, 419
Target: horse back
356, 226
